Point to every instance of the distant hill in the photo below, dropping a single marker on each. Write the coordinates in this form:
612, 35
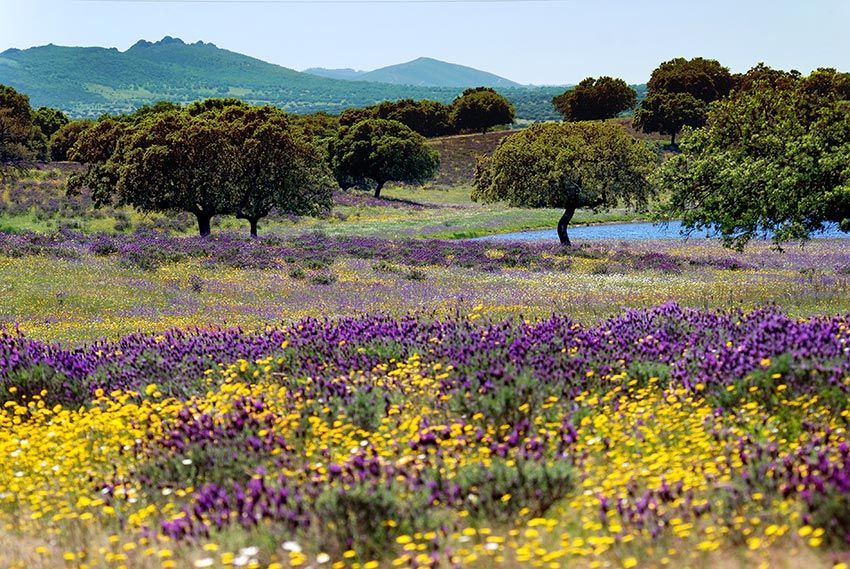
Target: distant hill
90, 81
346, 74
423, 72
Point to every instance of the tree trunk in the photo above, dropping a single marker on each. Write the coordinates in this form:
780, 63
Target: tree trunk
378, 189
203, 224
562, 226
673, 139
254, 222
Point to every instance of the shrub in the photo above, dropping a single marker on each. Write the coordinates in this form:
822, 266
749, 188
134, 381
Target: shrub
43, 382
500, 490
327, 278
356, 518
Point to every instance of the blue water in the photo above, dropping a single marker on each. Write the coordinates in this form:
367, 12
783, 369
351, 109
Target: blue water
626, 232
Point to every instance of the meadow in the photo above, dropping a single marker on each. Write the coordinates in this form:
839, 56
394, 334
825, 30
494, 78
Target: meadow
364, 391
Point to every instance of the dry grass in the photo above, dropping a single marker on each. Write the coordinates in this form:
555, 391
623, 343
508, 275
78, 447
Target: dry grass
458, 155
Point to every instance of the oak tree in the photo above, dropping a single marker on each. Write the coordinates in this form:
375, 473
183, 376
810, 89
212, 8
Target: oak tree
595, 99
567, 166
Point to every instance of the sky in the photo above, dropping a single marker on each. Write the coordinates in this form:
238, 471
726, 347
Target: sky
531, 42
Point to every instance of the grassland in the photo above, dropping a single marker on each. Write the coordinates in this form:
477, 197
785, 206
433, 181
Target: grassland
38, 202
65, 291
353, 392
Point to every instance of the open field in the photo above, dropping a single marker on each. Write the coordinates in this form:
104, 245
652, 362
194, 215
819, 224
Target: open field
667, 436
74, 287
38, 202
252, 317
353, 392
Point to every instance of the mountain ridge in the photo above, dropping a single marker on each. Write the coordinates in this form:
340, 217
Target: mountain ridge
91, 81
422, 72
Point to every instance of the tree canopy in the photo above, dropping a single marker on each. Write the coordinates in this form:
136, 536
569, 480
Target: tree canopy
66, 137
95, 144
378, 151
668, 113
277, 167
595, 99
678, 94
480, 109
15, 125
704, 79
761, 73
771, 160
49, 120
567, 166
428, 118
211, 158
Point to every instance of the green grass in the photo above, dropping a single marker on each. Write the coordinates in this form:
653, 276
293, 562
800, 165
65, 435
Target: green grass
420, 212
82, 299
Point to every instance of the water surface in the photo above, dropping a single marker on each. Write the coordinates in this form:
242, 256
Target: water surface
643, 231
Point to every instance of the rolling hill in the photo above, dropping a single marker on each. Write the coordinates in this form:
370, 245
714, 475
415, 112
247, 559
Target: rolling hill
90, 81
346, 74
424, 72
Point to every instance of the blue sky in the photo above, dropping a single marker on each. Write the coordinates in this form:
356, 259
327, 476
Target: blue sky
545, 42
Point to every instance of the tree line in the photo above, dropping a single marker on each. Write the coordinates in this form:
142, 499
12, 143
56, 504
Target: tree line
225, 157
767, 152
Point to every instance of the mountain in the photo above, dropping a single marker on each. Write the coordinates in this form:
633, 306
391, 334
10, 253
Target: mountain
90, 81
346, 74
423, 72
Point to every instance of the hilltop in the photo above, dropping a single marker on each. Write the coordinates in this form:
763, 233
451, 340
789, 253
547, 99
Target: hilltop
89, 81
424, 72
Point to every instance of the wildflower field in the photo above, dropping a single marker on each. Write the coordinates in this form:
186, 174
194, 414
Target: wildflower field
666, 436
345, 401
349, 394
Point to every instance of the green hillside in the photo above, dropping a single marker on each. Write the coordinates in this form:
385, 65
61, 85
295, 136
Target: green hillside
90, 81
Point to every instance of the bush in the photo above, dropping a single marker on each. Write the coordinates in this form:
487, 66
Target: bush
500, 490
355, 518
384, 267
43, 382
830, 510
323, 278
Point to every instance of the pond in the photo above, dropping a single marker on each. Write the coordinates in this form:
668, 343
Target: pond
643, 231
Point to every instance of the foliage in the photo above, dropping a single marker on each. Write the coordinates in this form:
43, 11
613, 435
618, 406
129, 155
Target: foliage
16, 125
595, 99
213, 157
320, 128
480, 109
667, 113
568, 166
529, 485
380, 151
65, 138
49, 120
771, 161
428, 118
97, 143
678, 93
704, 79
761, 73
277, 168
